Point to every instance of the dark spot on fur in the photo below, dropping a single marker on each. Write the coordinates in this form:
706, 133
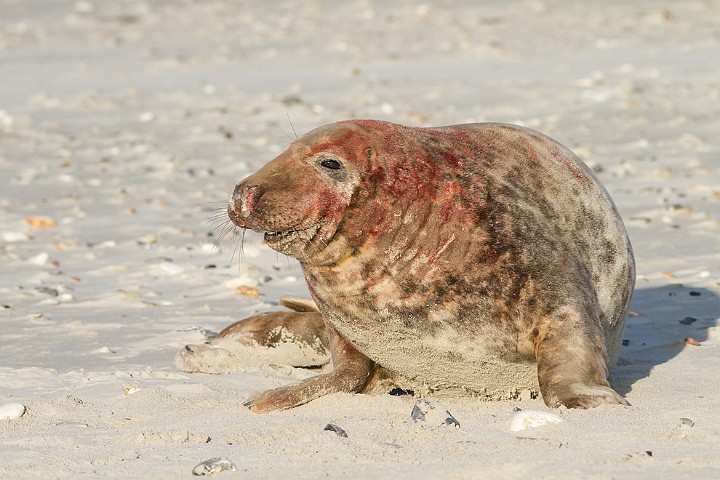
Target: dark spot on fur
409, 287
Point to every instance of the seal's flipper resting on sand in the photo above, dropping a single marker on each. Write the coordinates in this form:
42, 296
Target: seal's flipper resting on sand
297, 339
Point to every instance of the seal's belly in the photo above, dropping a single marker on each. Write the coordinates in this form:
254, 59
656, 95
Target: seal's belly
444, 358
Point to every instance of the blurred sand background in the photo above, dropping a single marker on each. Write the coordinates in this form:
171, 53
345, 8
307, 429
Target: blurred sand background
125, 124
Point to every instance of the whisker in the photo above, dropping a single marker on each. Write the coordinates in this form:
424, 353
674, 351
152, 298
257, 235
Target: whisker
287, 114
232, 257
219, 225
215, 218
228, 229
216, 215
242, 245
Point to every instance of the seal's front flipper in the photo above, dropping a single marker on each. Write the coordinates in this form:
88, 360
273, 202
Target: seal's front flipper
572, 360
350, 374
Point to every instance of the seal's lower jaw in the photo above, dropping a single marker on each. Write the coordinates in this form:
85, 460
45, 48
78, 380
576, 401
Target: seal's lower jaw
292, 241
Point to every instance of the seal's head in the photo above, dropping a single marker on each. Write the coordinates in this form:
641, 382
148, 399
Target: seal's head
301, 198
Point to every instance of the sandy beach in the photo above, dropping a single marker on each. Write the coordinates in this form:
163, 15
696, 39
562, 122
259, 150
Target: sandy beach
124, 126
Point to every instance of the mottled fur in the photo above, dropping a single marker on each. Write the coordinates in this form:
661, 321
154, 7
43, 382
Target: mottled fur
480, 257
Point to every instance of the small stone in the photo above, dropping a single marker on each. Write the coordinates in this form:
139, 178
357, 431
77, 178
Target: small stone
53, 292
84, 7
692, 341
251, 292
171, 268
11, 237
11, 411
213, 466
432, 414
146, 117
331, 427
40, 223
130, 389
39, 259
398, 392
148, 241
687, 421
103, 350
208, 247
66, 297
387, 108
688, 320
49, 301
694, 293
532, 419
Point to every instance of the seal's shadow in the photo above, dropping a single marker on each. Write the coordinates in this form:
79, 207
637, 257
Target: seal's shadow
661, 319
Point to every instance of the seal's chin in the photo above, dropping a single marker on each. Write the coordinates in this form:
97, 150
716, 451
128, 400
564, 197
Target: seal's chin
291, 241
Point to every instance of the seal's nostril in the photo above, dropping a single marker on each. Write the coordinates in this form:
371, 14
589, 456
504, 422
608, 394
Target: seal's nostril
245, 197
247, 201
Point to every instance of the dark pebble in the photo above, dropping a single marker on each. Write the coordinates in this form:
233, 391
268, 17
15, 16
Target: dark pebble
425, 408
50, 291
688, 320
331, 427
694, 293
398, 392
625, 343
210, 265
417, 414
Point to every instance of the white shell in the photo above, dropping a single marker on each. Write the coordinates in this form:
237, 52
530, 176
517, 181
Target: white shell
10, 411
171, 268
213, 466
531, 419
13, 237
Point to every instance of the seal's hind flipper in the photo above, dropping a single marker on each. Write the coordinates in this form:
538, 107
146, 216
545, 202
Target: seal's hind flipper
298, 339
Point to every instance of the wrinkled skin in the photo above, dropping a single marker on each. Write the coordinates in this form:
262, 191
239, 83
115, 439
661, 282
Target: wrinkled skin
480, 258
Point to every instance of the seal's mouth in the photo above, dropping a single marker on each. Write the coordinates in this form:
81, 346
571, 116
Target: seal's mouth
283, 238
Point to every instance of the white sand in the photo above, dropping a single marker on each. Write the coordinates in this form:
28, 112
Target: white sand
127, 123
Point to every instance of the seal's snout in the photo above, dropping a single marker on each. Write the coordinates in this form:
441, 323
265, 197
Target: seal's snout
243, 202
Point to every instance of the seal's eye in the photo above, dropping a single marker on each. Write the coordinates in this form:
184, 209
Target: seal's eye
331, 164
